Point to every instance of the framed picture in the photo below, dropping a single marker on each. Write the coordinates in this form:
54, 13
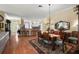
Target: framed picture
62, 25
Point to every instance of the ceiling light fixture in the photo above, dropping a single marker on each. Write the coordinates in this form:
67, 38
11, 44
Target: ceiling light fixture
49, 17
40, 6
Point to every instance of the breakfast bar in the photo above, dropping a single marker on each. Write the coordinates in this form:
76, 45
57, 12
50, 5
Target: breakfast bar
4, 36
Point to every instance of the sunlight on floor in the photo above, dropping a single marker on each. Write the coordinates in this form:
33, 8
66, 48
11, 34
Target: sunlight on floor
17, 40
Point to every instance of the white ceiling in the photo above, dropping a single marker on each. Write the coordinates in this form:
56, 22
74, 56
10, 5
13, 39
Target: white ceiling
32, 10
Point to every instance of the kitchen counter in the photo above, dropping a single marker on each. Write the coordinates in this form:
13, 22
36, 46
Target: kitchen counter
4, 36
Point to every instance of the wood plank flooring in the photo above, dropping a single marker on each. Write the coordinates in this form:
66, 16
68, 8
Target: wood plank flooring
19, 45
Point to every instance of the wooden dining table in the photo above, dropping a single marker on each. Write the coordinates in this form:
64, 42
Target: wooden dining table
54, 35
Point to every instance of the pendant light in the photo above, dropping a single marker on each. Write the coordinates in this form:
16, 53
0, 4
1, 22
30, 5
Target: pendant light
77, 9
49, 17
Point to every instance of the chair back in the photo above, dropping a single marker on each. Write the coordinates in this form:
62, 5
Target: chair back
45, 35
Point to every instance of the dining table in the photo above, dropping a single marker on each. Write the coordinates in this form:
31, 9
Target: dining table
54, 35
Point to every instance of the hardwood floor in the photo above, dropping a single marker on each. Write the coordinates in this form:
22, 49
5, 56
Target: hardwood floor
19, 45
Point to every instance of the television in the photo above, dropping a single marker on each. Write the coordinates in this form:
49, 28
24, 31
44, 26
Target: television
62, 25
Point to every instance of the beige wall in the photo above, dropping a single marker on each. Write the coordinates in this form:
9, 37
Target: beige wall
64, 15
15, 25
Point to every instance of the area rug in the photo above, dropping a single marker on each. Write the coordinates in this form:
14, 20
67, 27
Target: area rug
41, 49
